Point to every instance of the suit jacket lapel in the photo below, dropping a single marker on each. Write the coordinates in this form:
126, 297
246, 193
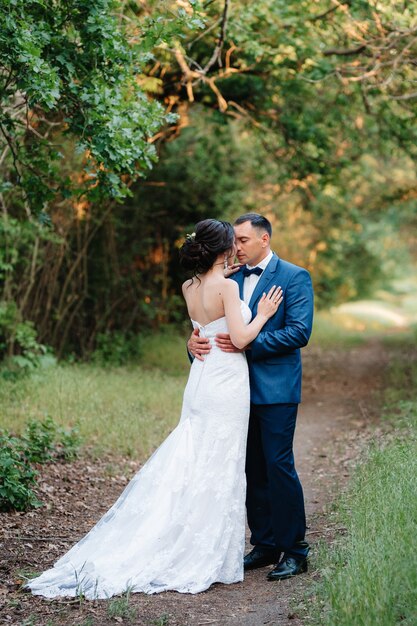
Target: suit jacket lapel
264, 281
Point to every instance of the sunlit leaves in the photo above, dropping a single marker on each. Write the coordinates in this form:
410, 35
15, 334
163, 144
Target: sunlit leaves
75, 67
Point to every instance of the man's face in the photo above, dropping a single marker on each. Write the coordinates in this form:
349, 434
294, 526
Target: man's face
252, 243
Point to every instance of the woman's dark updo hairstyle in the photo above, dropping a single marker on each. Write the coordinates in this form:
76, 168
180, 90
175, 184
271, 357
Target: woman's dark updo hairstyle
200, 250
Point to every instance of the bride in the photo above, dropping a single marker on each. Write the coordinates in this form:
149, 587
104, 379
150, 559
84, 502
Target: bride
180, 523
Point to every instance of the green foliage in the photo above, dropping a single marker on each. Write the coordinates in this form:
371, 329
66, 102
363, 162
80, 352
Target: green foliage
42, 442
19, 247
23, 245
161, 621
19, 336
45, 441
311, 123
73, 67
116, 348
323, 128
17, 476
201, 174
120, 608
69, 443
39, 440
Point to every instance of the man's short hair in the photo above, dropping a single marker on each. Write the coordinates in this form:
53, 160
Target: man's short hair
257, 221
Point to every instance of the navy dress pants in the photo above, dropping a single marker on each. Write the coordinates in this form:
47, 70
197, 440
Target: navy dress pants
274, 500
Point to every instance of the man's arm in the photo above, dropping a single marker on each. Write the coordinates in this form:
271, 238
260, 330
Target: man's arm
298, 302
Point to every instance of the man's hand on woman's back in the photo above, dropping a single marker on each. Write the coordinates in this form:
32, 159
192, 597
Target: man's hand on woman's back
198, 346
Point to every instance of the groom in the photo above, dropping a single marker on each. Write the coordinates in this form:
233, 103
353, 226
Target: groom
275, 502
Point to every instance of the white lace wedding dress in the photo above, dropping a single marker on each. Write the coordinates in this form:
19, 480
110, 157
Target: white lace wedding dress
180, 523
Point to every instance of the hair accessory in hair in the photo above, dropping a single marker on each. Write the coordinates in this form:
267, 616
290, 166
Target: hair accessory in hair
190, 237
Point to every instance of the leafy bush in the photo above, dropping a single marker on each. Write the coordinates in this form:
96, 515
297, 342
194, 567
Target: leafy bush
42, 442
45, 441
70, 441
39, 440
117, 348
17, 476
21, 335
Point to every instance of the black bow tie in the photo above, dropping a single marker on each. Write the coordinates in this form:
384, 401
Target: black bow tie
255, 270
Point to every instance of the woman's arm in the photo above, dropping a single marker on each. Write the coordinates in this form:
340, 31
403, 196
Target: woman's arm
242, 334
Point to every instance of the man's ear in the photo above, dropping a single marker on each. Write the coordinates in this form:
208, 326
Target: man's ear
265, 240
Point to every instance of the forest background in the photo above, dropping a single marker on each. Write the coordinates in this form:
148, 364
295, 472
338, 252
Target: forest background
122, 123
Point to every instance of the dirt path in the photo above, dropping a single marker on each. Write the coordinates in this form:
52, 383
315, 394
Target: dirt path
340, 402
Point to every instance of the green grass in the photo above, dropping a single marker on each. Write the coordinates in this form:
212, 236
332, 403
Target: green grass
126, 410
120, 608
167, 352
369, 578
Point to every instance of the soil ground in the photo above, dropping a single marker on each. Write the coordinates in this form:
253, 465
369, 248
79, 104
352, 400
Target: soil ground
340, 403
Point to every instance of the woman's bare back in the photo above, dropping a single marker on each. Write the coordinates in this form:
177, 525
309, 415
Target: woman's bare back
204, 298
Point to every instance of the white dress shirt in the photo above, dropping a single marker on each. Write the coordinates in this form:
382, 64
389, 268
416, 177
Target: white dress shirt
250, 282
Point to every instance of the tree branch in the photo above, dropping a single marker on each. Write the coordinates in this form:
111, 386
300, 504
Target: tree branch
201, 35
344, 52
321, 16
217, 50
405, 96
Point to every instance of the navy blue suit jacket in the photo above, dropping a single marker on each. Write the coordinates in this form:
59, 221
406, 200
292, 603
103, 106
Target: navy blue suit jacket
274, 358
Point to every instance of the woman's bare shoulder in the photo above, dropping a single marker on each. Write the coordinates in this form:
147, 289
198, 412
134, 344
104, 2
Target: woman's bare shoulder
186, 285
230, 287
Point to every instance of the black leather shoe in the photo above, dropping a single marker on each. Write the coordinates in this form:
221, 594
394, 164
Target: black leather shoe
287, 568
260, 557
